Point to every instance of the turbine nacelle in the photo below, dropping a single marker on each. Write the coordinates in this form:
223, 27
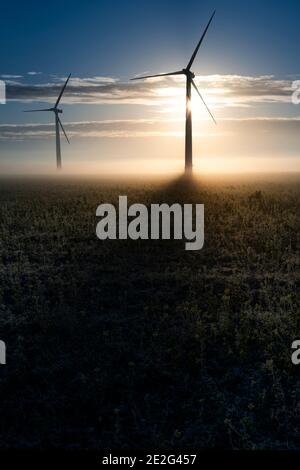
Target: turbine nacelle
188, 74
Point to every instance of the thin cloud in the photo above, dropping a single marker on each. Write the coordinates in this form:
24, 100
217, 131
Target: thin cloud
145, 128
8, 76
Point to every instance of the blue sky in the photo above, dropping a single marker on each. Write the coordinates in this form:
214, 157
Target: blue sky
117, 38
106, 43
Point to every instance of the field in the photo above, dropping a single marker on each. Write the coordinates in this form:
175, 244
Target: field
141, 344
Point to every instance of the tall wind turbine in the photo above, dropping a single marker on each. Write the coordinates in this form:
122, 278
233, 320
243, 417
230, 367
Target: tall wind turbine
58, 123
189, 83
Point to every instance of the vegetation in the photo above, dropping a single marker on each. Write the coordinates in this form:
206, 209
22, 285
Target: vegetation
141, 344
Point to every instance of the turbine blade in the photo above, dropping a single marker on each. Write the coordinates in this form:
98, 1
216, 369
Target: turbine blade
61, 93
194, 85
60, 123
180, 72
36, 110
200, 42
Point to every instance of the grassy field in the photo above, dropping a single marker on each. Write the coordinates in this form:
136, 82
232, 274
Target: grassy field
141, 344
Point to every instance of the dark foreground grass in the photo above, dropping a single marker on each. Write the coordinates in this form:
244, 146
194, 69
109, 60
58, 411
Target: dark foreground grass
142, 344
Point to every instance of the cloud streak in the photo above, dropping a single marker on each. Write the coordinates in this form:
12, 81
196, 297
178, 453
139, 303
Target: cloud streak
222, 90
143, 128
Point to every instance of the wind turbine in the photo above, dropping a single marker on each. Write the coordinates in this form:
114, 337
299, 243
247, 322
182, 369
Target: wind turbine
189, 83
58, 123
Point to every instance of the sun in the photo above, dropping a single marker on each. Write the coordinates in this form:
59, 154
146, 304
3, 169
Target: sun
189, 106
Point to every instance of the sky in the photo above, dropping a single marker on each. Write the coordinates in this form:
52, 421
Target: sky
245, 69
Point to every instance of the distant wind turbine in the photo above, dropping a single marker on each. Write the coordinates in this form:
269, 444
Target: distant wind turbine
58, 123
189, 83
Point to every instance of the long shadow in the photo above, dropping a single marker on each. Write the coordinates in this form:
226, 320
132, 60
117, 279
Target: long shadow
183, 189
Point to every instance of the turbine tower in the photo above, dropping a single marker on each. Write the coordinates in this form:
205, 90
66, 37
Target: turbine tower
58, 123
189, 83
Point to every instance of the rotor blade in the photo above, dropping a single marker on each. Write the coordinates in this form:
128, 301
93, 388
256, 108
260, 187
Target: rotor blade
61, 93
200, 42
36, 110
63, 129
194, 85
180, 72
